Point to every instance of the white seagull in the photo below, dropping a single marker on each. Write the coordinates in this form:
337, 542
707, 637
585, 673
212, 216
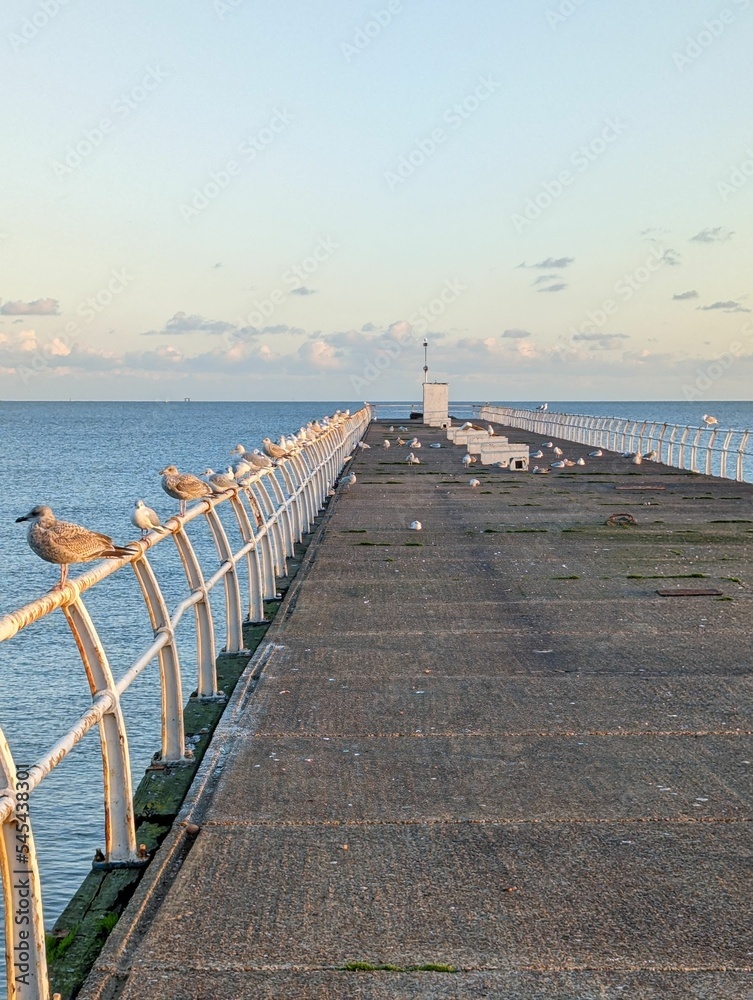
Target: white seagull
416, 525
145, 519
473, 483
709, 420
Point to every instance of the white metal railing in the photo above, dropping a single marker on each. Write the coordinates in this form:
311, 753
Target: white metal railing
273, 511
708, 450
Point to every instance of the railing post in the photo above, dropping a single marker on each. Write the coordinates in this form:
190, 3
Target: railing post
725, 451
120, 830
173, 735
253, 561
206, 686
740, 470
25, 955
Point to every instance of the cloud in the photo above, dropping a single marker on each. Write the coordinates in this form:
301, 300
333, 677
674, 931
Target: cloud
602, 341
681, 296
39, 307
671, 258
182, 323
302, 290
716, 235
558, 287
653, 231
543, 278
515, 334
551, 263
730, 306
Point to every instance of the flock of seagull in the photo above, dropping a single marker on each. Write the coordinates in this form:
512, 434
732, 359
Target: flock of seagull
65, 543
635, 457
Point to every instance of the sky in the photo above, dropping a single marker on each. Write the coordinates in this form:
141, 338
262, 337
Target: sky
263, 199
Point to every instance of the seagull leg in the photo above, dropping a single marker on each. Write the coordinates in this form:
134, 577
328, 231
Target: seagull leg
63, 575
182, 508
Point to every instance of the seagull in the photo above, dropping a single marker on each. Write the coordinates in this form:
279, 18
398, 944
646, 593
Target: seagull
392, 428
435, 444
539, 472
220, 482
402, 428
490, 430
241, 451
273, 450
543, 408
650, 456
240, 469
595, 454
709, 420
362, 444
581, 461
637, 459
183, 487
473, 483
558, 452
412, 460
416, 525
549, 444
145, 518
63, 542
538, 454
557, 465
386, 443
467, 460
260, 461
400, 442
350, 480
415, 443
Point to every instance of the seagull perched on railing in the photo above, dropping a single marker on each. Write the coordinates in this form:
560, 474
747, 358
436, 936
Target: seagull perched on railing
543, 408
145, 519
183, 486
274, 450
220, 482
709, 420
63, 542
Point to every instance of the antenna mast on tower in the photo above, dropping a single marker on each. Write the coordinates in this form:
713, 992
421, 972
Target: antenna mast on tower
426, 360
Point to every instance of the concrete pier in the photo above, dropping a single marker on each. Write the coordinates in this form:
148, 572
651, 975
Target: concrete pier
484, 759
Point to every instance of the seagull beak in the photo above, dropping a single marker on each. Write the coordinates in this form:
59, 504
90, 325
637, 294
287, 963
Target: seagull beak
24, 518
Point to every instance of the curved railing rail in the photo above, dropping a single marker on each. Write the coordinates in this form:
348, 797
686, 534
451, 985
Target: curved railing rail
709, 450
273, 512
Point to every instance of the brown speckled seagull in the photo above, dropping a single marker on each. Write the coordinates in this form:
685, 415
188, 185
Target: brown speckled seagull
183, 486
63, 542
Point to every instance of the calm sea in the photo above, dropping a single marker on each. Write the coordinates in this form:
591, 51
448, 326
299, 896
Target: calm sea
90, 462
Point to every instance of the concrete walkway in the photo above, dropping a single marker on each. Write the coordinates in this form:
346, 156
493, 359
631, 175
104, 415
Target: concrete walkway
488, 746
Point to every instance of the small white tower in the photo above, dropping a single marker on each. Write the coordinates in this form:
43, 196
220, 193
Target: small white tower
436, 397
